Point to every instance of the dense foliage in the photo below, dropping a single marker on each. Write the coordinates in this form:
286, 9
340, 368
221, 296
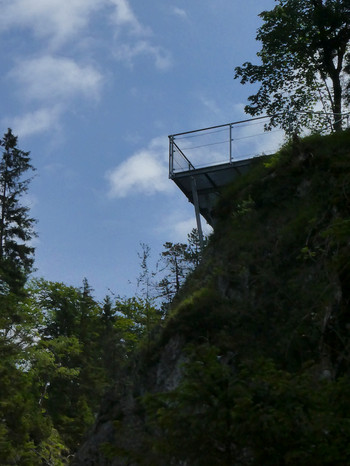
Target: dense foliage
304, 62
57, 360
252, 365
267, 322
60, 349
260, 325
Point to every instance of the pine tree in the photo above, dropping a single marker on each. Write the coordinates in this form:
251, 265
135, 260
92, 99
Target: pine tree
178, 260
110, 343
174, 259
194, 251
16, 226
70, 368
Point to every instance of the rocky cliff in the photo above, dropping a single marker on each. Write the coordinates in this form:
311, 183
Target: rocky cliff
252, 363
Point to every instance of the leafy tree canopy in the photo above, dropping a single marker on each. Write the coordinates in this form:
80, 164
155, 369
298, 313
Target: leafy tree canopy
305, 62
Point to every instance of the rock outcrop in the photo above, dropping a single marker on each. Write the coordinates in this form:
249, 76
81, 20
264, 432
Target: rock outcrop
255, 352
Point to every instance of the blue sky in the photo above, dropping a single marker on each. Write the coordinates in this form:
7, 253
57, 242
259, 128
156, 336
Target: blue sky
93, 88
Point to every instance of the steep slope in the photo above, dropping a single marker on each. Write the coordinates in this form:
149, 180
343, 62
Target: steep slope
252, 365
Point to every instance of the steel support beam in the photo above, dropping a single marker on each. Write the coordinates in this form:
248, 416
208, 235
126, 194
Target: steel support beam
196, 208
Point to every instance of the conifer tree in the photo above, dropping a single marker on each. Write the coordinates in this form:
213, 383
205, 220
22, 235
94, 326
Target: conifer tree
16, 226
178, 260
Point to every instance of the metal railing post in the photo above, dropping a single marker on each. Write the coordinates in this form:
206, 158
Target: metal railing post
230, 134
171, 156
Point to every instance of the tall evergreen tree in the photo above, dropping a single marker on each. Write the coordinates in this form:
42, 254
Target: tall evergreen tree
70, 368
178, 260
177, 267
110, 339
16, 226
194, 251
27, 436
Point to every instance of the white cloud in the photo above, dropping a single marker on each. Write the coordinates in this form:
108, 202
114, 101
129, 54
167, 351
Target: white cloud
179, 12
124, 16
145, 172
56, 19
50, 78
182, 228
38, 121
51, 82
60, 20
177, 226
250, 139
128, 53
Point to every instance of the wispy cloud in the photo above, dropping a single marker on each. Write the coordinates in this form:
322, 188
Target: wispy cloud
37, 121
145, 172
128, 53
49, 78
177, 226
57, 20
61, 20
124, 16
179, 12
48, 85
128, 50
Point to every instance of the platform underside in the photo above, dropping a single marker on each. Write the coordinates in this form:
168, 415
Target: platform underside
209, 182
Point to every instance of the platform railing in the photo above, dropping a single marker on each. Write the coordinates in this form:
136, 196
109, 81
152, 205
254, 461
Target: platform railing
221, 144
231, 142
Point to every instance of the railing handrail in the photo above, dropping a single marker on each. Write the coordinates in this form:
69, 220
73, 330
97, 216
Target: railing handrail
254, 119
190, 165
217, 126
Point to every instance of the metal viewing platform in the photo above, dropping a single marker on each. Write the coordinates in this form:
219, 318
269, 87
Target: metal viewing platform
203, 161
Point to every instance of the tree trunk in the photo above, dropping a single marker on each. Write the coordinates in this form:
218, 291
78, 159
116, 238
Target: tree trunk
333, 51
3, 215
337, 106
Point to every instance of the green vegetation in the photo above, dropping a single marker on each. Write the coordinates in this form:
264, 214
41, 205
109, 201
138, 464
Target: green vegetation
266, 322
16, 227
248, 413
60, 349
304, 63
259, 331
238, 354
261, 327
58, 358
258, 334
